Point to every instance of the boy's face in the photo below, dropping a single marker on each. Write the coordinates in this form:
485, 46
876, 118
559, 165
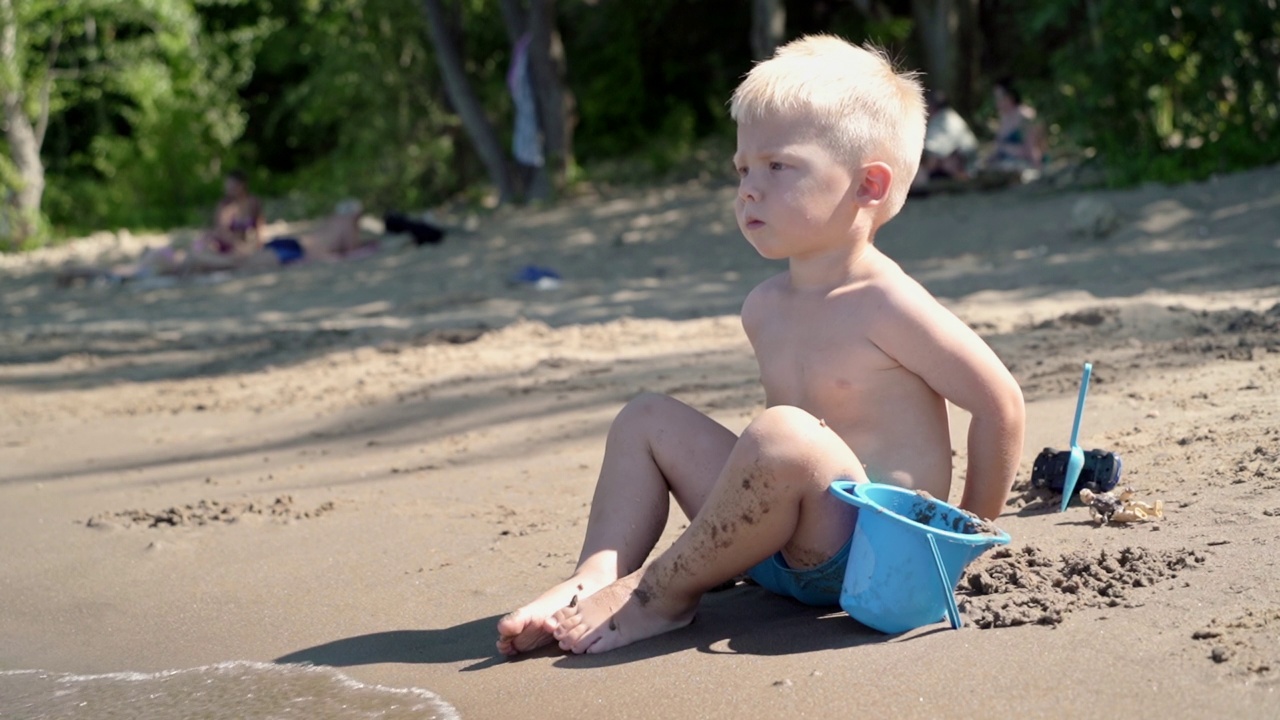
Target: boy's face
794, 197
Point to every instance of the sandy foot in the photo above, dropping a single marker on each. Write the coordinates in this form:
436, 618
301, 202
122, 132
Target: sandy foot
618, 615
526, 628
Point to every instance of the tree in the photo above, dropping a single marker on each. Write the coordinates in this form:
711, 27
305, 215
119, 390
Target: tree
946, 30
768, 26
24, 174
556, 102
458, 88
109, 106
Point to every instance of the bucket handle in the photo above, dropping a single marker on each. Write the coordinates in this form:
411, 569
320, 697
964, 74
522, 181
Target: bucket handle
953, 612
843, 489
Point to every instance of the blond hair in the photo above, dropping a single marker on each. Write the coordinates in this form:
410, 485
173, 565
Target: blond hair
862, 108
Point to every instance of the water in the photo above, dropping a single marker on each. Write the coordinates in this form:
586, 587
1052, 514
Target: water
248, 690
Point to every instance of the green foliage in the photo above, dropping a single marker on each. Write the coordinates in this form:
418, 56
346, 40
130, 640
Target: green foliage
654, 75
153, 100
1167, 93
144, 108
346, 103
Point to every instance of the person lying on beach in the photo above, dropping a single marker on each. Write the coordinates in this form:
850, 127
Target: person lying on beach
857, 360
337, 237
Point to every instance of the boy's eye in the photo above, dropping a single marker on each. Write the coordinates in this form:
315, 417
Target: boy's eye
776, 166
742, 171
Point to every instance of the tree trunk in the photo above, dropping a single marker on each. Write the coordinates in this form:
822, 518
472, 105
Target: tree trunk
768, 26
556, 103
514, 18
948, 37
24, 142
464, 100
964, 97
938, 23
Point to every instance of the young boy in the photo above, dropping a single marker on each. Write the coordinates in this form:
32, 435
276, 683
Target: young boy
857, 362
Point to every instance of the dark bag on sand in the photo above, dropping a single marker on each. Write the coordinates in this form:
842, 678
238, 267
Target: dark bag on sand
423, 233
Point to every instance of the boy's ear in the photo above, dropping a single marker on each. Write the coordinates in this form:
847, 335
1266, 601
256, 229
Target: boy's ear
874, 187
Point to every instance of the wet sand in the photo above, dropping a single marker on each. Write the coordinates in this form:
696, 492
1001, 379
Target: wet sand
364, 465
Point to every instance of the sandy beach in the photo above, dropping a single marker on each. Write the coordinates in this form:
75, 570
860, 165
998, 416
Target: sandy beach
365, 464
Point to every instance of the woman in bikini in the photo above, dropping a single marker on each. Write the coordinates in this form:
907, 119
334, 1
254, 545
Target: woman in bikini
235, 234
234, 237
1020, 141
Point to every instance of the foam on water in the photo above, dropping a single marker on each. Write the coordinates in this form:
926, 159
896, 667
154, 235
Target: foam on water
238, 689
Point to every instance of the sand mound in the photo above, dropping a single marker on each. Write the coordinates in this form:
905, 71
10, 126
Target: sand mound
1028, 586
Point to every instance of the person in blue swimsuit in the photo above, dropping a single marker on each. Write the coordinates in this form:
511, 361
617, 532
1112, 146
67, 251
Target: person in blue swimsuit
334, 238
1020, 144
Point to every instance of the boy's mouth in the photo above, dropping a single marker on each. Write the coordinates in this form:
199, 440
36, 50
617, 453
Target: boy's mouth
753, 223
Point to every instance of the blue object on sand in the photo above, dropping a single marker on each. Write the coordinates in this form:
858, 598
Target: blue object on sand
533, 273
1076, 462
906, 556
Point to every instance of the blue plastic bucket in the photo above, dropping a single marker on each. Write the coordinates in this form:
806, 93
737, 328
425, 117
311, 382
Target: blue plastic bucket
895, 581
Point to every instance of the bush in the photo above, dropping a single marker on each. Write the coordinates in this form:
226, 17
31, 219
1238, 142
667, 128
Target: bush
1170, 93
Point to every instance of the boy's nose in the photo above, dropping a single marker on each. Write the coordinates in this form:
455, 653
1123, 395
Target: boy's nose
748, 191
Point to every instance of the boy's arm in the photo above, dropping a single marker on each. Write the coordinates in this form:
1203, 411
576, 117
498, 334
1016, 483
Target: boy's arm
927, 339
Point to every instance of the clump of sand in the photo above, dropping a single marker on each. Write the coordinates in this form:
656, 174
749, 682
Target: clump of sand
1247, 643
1027, 586
207, 512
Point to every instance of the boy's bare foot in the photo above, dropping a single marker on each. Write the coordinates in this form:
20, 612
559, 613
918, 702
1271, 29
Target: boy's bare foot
618, 615
525, 628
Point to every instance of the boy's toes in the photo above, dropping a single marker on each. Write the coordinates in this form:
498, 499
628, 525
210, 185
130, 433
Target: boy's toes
570, 630
584, 642
572, 640
512, 624
562, 617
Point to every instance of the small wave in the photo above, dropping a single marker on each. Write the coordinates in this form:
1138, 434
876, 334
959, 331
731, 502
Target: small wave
234, 689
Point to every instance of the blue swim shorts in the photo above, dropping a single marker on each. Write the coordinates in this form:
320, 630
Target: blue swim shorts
818, 586
287, 249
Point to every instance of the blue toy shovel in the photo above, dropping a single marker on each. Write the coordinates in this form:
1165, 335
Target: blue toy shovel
1076, 462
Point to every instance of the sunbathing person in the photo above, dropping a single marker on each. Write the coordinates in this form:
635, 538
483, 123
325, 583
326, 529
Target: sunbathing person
1020, 141
950, 146
236, 231
336, 237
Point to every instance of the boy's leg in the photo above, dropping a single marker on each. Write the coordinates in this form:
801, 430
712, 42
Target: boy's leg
772, 494
658, 447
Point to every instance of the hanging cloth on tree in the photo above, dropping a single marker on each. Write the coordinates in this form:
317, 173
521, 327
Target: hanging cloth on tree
526, 144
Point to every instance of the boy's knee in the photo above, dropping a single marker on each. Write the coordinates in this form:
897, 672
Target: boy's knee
642, 409
787, 434
798, 448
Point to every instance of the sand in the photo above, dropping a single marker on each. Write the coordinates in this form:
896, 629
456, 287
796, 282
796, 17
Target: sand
365, 464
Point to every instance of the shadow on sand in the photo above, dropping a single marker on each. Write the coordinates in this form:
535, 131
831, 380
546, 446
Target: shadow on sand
742, 621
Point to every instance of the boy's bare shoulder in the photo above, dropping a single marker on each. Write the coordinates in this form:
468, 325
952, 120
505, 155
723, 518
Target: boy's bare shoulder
755, 307
891, 289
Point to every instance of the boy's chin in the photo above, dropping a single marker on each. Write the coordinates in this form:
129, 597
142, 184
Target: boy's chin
769, 251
